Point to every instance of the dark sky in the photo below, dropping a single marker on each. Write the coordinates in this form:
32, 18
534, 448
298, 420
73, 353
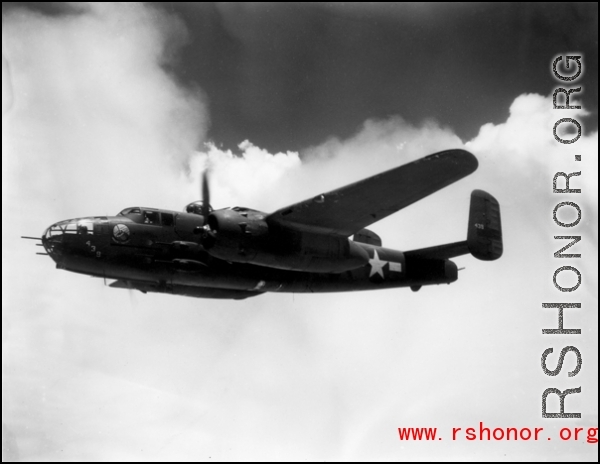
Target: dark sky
288, 76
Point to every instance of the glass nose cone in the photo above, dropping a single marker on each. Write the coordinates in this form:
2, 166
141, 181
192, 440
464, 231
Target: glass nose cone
57, 237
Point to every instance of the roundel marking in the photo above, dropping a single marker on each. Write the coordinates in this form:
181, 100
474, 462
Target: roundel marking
121, 232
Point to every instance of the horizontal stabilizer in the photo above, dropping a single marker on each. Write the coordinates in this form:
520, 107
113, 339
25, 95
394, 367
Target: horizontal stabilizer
450, 250
368, 237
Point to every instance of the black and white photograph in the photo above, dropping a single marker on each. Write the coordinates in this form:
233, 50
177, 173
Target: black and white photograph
318, 231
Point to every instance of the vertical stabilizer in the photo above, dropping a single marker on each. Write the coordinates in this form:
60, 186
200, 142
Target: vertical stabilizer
484, 237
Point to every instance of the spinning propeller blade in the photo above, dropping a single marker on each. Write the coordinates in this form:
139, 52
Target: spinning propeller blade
205, 195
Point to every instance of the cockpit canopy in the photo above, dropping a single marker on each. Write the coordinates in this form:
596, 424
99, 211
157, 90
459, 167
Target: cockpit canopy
128, 211
80, 226
148, 216
195, 207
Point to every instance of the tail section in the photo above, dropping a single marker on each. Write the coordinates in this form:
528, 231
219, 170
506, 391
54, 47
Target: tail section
484, 235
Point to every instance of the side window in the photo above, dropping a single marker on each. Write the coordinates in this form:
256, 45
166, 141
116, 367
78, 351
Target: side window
167, 219
151, 217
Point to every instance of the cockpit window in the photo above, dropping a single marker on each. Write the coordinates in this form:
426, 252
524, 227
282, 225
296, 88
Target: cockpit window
151, 217
127, 211
85, 226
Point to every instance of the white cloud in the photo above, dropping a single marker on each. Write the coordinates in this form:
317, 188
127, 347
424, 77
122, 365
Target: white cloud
246, 178
92, 86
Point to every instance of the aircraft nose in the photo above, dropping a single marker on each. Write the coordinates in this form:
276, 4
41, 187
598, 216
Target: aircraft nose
52, 240
66, 238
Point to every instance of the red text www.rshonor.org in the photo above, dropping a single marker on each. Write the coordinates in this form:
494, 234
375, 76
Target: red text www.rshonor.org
483, 433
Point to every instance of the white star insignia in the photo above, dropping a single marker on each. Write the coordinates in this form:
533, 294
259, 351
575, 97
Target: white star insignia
376, 265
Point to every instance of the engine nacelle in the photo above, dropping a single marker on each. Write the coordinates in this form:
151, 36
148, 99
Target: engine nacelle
196, 207
237, 232
242, 235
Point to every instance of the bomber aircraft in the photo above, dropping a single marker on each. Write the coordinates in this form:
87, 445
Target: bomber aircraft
317, 245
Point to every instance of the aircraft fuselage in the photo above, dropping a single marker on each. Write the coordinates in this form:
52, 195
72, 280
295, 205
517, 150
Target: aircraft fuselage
161, 251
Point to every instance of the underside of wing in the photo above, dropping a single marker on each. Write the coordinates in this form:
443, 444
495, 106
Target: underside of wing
349, 209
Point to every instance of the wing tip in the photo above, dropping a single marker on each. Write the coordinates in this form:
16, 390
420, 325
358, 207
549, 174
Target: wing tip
458, 156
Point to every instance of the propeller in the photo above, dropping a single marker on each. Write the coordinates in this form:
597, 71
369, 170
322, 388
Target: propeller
206, 234
205, 195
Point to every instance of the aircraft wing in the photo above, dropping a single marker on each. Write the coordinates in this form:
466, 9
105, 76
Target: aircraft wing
349, 209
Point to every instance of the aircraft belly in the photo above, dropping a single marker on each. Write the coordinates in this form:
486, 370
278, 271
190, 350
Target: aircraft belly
385, 269
185, 290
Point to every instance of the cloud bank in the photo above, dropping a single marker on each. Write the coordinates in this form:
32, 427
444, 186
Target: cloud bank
94, 86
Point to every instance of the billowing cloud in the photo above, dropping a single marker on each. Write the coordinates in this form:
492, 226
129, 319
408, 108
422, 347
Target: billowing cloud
256, 178
244, 177
95, 85
523, 155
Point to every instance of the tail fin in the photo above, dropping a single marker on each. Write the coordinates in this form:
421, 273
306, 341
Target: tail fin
484, 235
